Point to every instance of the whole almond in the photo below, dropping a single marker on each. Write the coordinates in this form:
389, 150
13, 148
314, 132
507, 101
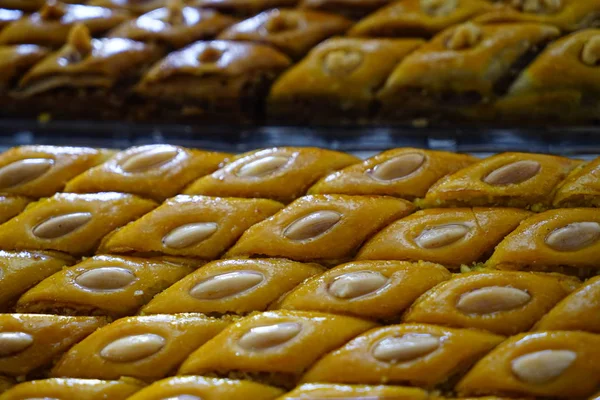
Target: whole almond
464, 37
12, 343
262, 167
189, 235
405, 348
492, 299
151, 158
266, 337
440, 236
513, 173
23, 171
61, 225
226, 285
542, 366
357, 284
312, 225
105, 278
398, 167
575, 236
133, 348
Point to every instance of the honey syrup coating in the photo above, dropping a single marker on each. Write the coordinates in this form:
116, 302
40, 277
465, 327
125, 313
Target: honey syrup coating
568, 237
191, 226
581, 188
102, 285
278, 344
556, 364
502, 302
320, 227
155, 171
232, 286
11, 206
133, 6
19, 271
80, 389
145, 347
71, 223
406, 173
17, 60
279, 173
30, 342
451, 237
205, 388
417, 354
367, 289
509, 179
576, 312
326, 391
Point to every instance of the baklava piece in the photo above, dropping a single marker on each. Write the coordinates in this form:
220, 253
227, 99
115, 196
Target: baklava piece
232, 287
133, 6
547, 364
416, 354
147, 347
72, 223
406, 173
174, 26
21, 271
380, 290
50, 26
31, 342
276, 347
419, 18
190, 226
80, 389
354, 9
155, 171
340, 392
461, 71
200, 387
101, 285
337, 82
452, 237
503, 302
242, 8
568, 237
11, 206
280, 173
293, 32
223, 80
328, 228
509, 179
581, 188
42, 171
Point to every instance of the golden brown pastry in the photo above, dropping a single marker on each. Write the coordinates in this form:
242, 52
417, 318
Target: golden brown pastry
294, 32
581, 188
147, 347
243, 8
8, 16
11, 206
451, 237
232, 287
406, 173
556, 364
134, 6
337, 81
17, 60
155, 171
80, 389
72, 223
340, 392
191, 226
102, 285
279, 173
380, 290
320, 227
29, 5
30, 342
355, 9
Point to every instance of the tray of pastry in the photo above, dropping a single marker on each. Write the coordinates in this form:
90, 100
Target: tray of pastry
164, 272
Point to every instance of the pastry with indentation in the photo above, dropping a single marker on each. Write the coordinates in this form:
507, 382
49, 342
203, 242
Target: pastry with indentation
280, 173
11, 206
80, 389
327, 391
581, 188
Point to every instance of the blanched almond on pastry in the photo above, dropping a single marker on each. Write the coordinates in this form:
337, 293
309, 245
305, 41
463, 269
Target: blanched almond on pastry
575, 236
342, 62
590, 54
263, 166
189, 234
542, 366
225, 285
23, 171
133, 348
438, 8
440, 236
312, 225
464, 36
148, 159
538, 6
405, 348
492, 299
265, 337
513, 173
12, 343
356, 284
398, 167
105, 278
61, 225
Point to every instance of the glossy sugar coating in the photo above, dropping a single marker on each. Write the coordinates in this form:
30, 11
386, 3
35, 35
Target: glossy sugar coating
321, 390
83, 389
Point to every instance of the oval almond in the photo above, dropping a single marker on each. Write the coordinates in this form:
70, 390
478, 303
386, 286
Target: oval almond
105, 278
133, 348
265, 337
492, 299
23, 171
513, 173
12, 343
262, 166
405, 348
575, 236
225, 285
189, 235
61, 225
152, 158
357, 284
440, 236
312, 225
398, 167
542, 366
